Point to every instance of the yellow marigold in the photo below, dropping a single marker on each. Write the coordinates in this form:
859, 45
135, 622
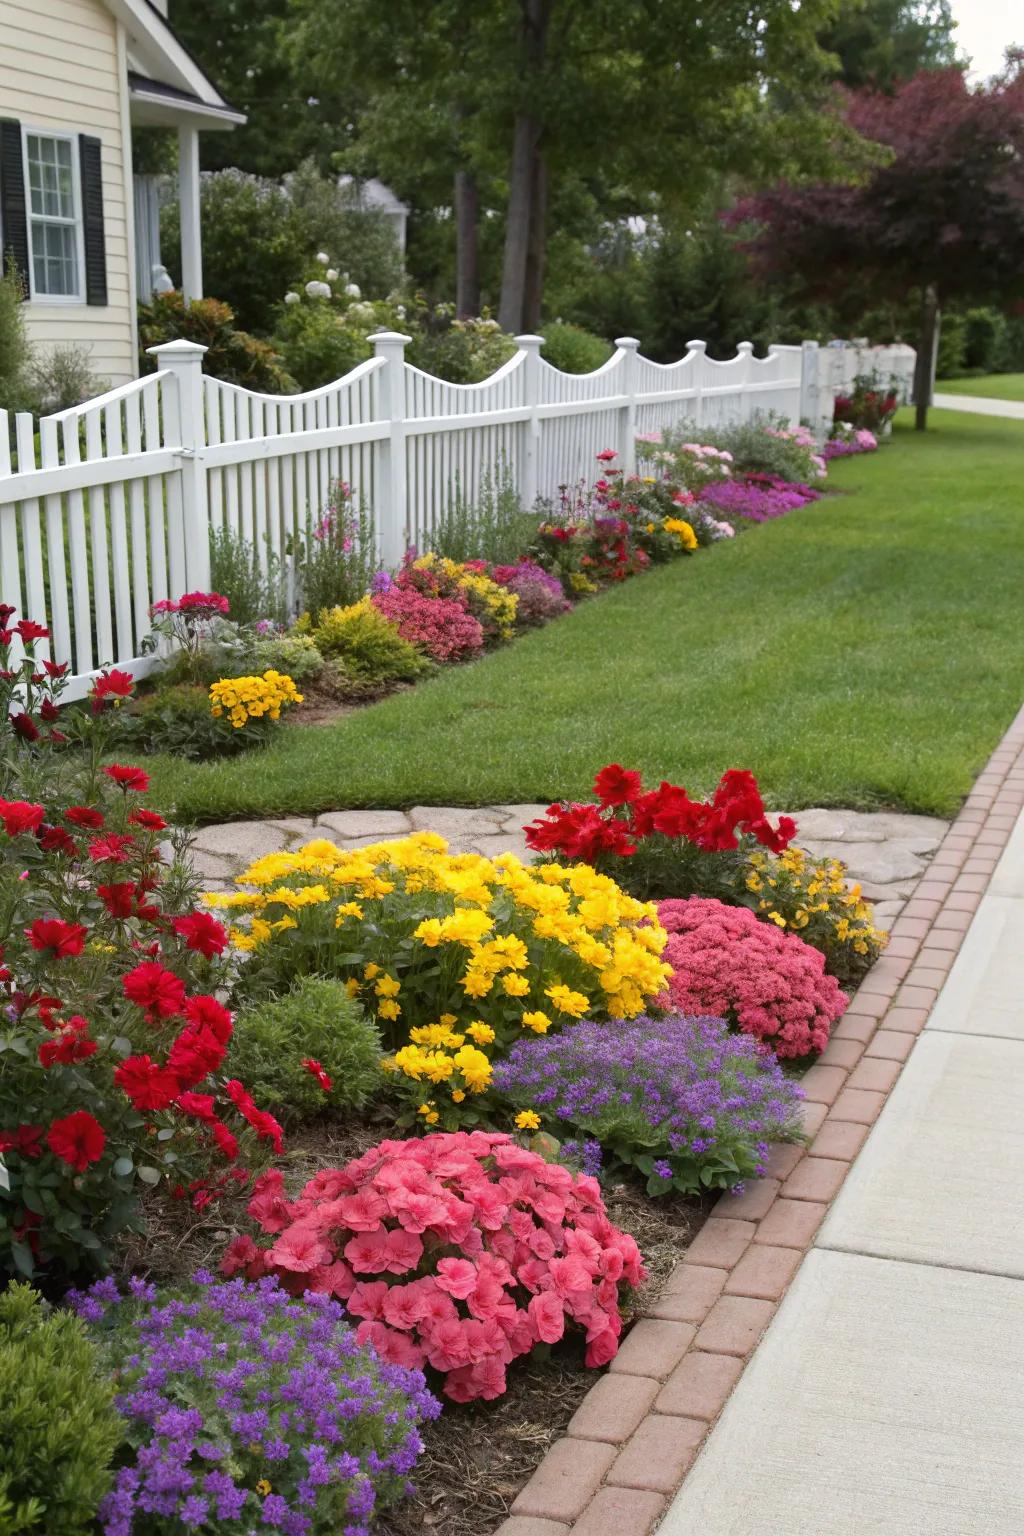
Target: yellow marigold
515, 986
537, 1021
683, 530
527, 1120
483, 1034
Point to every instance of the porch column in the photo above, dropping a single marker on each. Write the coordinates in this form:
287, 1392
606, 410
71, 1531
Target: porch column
188, 203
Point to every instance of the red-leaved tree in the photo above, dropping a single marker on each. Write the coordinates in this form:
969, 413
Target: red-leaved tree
943, 218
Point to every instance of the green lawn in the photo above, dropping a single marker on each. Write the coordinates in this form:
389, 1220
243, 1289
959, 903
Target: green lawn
993, 386
867, 651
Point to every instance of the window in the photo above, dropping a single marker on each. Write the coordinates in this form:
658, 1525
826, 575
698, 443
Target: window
55, 216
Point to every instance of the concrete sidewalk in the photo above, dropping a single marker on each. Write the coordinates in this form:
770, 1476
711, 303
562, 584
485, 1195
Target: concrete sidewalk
981, 405
887, 1396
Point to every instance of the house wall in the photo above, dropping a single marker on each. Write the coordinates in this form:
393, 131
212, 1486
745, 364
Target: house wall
62, 66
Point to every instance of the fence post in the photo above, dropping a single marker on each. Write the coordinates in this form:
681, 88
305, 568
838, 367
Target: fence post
529, 472
698, 350
628, 346
810, 390
391, 516
745, 351
184, 359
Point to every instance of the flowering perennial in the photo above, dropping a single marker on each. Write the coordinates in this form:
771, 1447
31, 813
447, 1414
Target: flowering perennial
684, 1100
251, 698
441, 626
244, 1409
813, 898
454, 954
457, 1251
769, 983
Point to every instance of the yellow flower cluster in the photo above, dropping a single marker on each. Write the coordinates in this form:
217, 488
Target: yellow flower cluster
454, 954
683, 530
250, 698
488, 600
812, 897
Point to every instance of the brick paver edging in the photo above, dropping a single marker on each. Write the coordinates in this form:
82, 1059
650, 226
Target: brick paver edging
638, 1430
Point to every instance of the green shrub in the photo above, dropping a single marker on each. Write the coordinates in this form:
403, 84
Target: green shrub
232, 355
296, 655
492, 527
984, 339
952, 352
61, 377
573, 349
176, 718
60, 1428
316, 344
15, 351
316, 1021
243, 214
462, 351
368, 644
236, 573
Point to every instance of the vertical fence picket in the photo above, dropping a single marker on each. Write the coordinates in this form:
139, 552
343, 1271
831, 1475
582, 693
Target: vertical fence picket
137, 521
56, 570
31, 538
120, 567
157, 494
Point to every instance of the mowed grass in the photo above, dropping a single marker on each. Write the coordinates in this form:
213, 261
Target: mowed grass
865, 651
992, 386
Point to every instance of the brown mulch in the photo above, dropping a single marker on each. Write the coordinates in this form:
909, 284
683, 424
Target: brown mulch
476, 1457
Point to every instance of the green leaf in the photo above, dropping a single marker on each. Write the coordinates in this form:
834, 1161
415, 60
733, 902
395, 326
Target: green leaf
122, 1045
166, 1133
149, 1175
123, 1167
22, 1256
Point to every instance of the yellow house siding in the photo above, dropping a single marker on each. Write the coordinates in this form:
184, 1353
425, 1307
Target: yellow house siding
62, 67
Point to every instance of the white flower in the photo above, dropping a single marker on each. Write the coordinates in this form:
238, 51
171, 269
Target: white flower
331, 274
400, 311
323, 258
291, 298
353, 290
318, 290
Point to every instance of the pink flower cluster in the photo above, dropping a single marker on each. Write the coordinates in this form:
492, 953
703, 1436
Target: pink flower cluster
728, 962
440, 625
459, 1251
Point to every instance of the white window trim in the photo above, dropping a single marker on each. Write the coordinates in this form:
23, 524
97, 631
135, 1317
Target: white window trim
58, 299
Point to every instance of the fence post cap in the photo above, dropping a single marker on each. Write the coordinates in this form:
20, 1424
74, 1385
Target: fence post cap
627, 343
530, 343
809, 346
180, 348
696, 346
745, 348
390, 339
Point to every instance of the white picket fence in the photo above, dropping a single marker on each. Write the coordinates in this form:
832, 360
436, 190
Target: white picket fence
110, 509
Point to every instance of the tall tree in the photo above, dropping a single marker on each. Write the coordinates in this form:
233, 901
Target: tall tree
944, 218
883, 43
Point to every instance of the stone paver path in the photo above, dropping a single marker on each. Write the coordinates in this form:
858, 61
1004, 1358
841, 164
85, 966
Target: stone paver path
886, 852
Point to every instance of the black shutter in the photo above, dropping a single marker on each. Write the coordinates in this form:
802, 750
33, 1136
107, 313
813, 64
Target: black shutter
89, 154
13, 213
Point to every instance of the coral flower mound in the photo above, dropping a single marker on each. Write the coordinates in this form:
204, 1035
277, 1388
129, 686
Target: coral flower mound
459, 1251
771, 984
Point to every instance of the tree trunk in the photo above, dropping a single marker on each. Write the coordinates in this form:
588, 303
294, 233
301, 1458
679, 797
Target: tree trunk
927, 343
537, 246
467, 282
517, 224
533, 33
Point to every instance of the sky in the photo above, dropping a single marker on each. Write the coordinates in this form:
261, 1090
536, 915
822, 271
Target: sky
985, 28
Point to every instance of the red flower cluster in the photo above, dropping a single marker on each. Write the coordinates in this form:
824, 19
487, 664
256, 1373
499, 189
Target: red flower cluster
459, 1251
315, 1069
200, 605
625, 813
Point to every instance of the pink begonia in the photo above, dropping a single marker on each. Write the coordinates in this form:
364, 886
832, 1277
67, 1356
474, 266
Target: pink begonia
536, 1253
726, 961
441, 626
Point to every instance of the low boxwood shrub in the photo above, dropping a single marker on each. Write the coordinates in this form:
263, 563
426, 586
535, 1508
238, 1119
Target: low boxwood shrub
573, 349
310, 1050
690, 1104
368, 644
60, 1428
457, 1251
768, 983
298, 1428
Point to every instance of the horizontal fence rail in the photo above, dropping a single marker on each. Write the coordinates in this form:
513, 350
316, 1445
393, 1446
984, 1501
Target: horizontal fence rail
108, 507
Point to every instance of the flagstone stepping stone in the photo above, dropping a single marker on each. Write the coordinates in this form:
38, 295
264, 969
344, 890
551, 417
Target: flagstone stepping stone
363, 824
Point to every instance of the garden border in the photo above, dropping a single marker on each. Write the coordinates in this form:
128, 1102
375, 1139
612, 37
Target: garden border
637, 1432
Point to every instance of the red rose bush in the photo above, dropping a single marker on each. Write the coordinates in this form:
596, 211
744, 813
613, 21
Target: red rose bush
459, 1251
771, 984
